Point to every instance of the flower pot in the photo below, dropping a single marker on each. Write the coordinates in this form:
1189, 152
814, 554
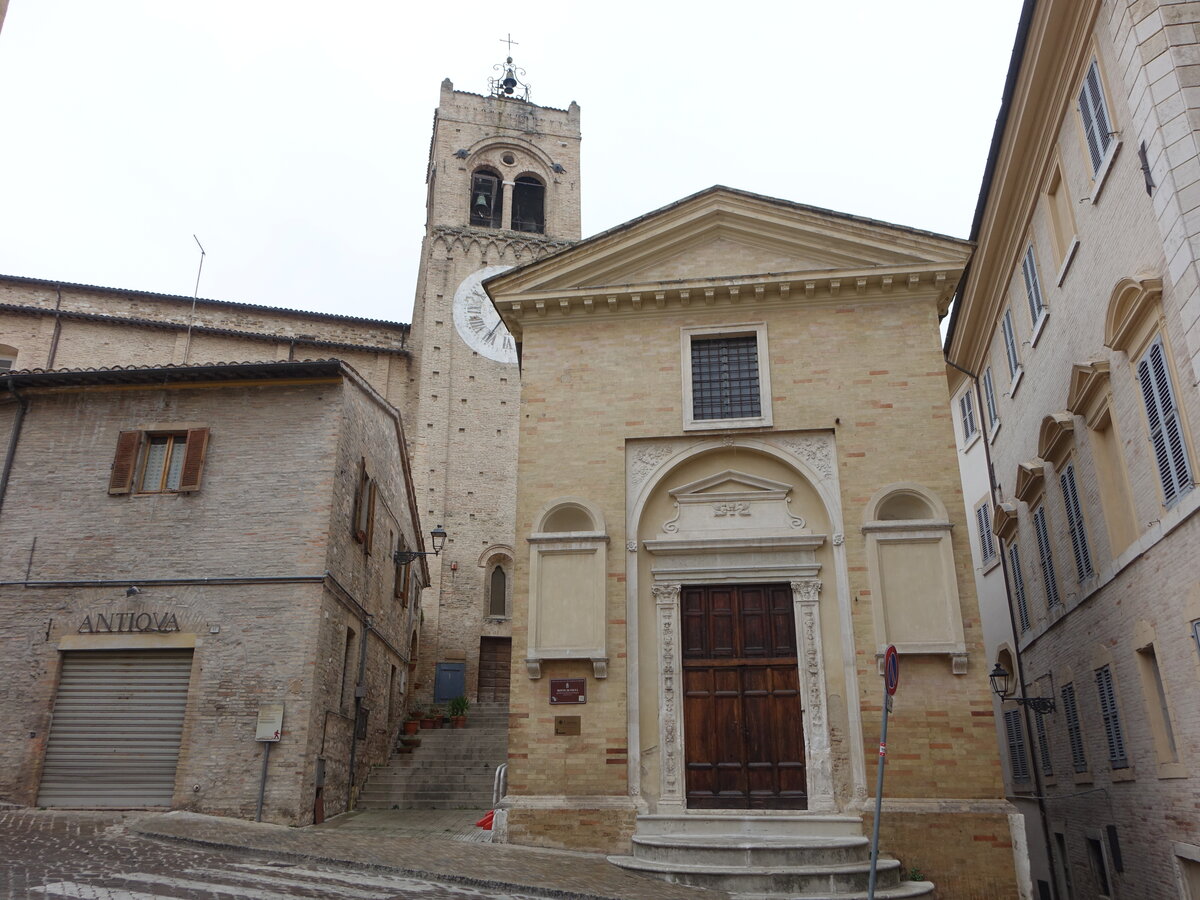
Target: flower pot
412, 726
458, 721
427, 723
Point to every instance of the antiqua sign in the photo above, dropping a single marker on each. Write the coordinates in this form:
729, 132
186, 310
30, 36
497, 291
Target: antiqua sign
128, 622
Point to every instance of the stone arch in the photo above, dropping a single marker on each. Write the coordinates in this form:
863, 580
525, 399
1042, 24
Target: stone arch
570, 515
1134, 310
8, 357
905, 501
497, 564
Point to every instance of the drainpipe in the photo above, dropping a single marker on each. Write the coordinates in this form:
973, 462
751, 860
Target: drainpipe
993, 495
10, 455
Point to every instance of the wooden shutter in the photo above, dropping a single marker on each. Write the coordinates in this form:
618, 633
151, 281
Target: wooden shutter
987, 546
193, 459
1083, 557
1074, 732
1112, 719
1016, 745
1018, 583
369, 527
1047, 557
989, 396
1043, 744
1095, 116
1033, 290
1166, 431
1010, 344
120, 481
966, 406
359, 533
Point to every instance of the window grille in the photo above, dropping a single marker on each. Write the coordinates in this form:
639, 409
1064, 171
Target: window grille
1046, 556
989, 398
1074, 731
1010, 343
1112, 720
725, 378
1079, 544
1016, 745
1166, 430
1033, 288
1094, 112
1018, 583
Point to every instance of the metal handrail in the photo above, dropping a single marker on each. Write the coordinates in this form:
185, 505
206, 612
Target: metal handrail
499, 784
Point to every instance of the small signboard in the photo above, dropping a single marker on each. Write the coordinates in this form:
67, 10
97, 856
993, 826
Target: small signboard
270, 722
568, 691
891, 670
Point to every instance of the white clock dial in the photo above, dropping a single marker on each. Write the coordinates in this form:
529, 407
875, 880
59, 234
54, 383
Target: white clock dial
477, 321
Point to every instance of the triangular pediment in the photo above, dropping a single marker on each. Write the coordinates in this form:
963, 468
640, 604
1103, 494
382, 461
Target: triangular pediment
1031, 476
722, 236
729, 481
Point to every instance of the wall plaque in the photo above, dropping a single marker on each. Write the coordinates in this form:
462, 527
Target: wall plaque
568, 690
566, 725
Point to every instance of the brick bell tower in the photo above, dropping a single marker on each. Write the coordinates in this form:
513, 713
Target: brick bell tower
503, 189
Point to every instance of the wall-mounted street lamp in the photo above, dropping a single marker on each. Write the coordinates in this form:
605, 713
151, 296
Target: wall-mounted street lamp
1002, 687
403, 557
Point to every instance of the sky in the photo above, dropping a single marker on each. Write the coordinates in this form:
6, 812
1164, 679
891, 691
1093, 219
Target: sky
292, 138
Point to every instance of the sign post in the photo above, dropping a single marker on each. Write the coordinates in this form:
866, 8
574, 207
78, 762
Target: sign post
891, 678
268, 730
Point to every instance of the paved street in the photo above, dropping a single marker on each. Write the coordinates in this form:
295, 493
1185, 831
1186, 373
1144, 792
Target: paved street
95, 856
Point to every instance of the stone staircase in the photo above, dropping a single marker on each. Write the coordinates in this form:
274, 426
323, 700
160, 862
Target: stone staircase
453, 768
799, 857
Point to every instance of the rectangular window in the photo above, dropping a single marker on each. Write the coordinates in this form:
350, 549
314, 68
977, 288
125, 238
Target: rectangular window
6, 364
1033, 287
966, 409
1062, 219
726, 382
1156, 705
158, 462
1079, 543
1043, 745
1097, 125
1018, 764
1112, 720
725, 378
400, 574
1018, 585
1074, 731
1099, 867
989, 398
1046, 556
987, 543
1166, 429
362, 522
1010, 344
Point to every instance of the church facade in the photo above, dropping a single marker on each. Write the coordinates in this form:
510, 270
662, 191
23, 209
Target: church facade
736, 488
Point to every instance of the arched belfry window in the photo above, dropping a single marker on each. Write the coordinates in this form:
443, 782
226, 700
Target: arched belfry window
487, 199
529, 205
497, 591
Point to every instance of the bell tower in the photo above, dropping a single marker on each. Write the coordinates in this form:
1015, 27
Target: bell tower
503, 189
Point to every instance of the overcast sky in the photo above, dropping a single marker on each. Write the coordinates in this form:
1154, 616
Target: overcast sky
292, 138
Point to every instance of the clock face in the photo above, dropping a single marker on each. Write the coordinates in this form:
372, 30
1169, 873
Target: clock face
477, 321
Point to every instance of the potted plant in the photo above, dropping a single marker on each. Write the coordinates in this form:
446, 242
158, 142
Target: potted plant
413, 723
435, 715
458, 711
427, 719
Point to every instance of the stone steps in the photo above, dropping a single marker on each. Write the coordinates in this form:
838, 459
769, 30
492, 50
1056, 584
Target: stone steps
799, 857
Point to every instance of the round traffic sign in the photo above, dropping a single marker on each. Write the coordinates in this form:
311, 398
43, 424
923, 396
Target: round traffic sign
891, 669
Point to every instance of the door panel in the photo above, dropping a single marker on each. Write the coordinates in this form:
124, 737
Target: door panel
744, 741
495, 659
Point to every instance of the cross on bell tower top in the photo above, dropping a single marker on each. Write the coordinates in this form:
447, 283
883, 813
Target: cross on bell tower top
508, 84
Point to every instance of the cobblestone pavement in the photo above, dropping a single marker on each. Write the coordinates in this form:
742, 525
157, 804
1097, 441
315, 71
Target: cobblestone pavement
141, 856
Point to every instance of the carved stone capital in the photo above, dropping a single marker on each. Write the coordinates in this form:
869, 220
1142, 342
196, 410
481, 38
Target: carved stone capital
666, 594
958, 663
534, 668
808, 591
600, 668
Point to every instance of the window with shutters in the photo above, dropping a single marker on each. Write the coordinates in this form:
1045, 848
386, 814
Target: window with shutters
726, 380
1010, 349
1166, 426
1045, 556
1033, 293
1074, 730
1017, 761
401, 570
1018, 586
1097, 123
1075, 527
966, 411
987, 541
362, 520
989, 400
1112, 719
1043, 740
159, 462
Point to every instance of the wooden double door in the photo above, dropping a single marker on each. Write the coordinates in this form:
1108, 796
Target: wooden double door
742, 717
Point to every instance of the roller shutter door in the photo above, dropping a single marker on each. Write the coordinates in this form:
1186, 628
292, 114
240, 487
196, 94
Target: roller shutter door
118, 721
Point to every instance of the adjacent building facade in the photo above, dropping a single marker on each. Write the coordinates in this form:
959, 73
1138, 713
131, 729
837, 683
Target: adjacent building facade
1076, 345
190, 555
735, 489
